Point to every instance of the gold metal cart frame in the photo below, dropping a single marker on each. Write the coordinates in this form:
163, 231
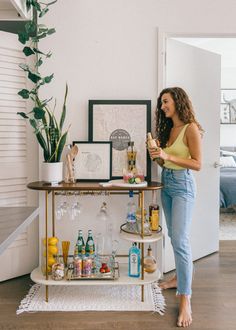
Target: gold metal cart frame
85, 188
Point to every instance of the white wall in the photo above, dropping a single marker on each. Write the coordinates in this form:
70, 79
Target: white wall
107, 49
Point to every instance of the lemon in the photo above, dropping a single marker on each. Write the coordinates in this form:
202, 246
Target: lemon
52, 249
53, 240
49, 254
51, 261
44, 269
137, 180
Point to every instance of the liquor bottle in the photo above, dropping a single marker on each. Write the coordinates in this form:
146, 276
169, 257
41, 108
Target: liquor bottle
131, 213
154, 213
80, 242
131, 154
90, 243
146, 222
134, 261
149, 262
151, 143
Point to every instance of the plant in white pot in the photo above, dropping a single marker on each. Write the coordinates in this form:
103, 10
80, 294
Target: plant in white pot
47, 129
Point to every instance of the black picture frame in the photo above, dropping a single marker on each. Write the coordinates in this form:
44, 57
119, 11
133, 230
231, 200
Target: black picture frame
224, 113
228, 106
121, 121
94, 161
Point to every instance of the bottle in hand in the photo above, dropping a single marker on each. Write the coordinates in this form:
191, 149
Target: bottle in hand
151, 143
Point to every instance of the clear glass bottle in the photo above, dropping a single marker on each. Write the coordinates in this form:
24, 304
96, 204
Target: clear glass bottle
151, 143
146, 224
131, 213
90, 243
149, 262
131, 155
104, 237
134, 261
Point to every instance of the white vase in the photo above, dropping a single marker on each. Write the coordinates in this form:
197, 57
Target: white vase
52, 172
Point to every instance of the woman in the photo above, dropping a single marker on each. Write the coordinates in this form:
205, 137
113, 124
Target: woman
179, 138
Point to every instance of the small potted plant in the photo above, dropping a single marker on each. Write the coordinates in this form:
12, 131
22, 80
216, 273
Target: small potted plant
47, 129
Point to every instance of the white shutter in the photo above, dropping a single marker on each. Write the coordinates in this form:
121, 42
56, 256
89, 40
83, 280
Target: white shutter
13, 156
13, 146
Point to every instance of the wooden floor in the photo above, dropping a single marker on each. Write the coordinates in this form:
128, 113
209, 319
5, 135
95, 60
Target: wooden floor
213, 303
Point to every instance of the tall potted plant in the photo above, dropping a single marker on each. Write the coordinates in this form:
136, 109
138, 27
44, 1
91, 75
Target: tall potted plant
47, 129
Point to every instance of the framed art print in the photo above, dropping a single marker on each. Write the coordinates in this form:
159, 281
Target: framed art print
120, 122
228, 106
93, 162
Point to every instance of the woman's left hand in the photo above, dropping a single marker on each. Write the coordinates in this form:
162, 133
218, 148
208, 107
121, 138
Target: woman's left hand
158, 153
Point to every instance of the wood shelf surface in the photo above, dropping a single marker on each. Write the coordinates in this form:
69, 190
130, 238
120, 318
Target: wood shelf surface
89, 186
38, 277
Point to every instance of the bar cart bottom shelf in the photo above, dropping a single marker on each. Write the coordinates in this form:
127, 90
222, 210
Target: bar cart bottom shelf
124, 279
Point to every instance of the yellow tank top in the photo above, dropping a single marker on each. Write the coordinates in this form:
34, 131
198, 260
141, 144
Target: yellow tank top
178, 149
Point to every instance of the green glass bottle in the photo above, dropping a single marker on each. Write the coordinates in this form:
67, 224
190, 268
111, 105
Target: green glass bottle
80, 242
90, 246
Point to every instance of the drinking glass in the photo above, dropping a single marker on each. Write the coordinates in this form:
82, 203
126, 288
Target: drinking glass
76, 208
62, 209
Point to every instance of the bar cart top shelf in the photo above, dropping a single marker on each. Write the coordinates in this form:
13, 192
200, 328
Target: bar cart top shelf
86, 186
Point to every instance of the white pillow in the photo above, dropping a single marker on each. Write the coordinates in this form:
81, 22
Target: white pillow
228, 153
227, 161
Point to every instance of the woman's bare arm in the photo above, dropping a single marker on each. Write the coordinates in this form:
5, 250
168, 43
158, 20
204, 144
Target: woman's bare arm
193, 141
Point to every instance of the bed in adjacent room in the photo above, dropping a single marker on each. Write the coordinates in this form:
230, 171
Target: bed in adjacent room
228, 177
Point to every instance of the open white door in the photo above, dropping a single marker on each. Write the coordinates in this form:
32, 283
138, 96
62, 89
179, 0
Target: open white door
199, 72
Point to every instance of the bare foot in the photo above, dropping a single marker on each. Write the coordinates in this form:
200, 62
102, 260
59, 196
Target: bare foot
172, 283
185, 312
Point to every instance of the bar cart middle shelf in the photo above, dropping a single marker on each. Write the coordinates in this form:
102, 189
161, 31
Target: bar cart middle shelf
86, 188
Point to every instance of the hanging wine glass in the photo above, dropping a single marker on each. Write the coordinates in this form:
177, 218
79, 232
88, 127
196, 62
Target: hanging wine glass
62, 208
75, 210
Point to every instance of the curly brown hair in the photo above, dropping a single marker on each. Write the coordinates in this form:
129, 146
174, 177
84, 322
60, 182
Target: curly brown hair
184, 109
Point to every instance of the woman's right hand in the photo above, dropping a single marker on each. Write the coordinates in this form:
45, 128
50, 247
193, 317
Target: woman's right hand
154, 153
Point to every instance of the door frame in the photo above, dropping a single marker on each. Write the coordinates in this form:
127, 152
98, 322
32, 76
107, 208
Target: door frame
162, 36
161, 74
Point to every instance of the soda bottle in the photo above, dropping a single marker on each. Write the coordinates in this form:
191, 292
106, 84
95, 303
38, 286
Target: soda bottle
90, 246
80, 241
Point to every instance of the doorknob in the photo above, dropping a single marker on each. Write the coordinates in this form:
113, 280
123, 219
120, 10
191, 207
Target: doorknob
217, 164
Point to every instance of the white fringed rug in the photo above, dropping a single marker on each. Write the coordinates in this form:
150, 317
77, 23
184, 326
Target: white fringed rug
93, 298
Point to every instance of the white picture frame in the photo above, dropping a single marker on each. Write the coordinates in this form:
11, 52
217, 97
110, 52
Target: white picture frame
93, 161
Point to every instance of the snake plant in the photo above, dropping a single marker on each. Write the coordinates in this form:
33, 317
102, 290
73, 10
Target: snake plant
48, 131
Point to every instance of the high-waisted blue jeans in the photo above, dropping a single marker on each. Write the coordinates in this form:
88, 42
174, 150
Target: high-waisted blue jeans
178, 195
